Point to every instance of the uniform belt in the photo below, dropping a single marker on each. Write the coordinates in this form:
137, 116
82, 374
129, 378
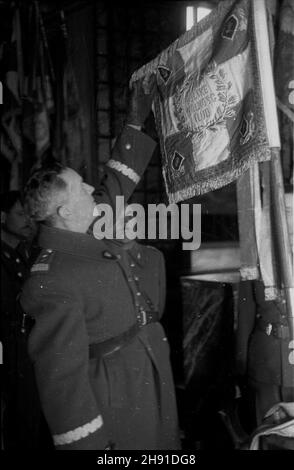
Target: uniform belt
276, 329
97, 350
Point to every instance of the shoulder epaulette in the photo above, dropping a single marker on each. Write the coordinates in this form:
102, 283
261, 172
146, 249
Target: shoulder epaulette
42, 263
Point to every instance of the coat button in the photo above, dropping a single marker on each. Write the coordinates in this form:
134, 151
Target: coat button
19, 274
138, 293
17, 260
132, 265
128, 146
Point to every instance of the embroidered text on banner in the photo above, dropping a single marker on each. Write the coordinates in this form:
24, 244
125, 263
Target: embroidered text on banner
208, 108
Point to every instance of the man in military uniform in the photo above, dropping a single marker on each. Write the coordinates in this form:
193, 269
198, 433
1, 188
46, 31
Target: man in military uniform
100, 356
16, 230
21, 415
262, 344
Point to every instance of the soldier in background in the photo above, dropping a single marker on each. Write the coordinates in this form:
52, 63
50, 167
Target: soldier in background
262, 338
262, 341
19, 401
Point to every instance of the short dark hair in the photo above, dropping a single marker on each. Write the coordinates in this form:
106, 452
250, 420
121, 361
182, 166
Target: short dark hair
9, 199
40, 190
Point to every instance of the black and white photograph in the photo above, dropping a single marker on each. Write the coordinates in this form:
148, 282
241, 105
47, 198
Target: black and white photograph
147, 290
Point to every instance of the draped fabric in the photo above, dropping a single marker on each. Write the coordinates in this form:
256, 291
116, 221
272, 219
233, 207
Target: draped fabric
69, 133
257, 231
208, 109
284, 84
43, 118
258, 254
28, 99
10, 125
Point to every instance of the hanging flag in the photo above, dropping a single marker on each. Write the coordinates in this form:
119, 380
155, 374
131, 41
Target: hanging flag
11, 110
69, 130
41, 123
73, 123
11, 121
258, 256
208, 109
11, 138
284, 84
42, 93
37, 99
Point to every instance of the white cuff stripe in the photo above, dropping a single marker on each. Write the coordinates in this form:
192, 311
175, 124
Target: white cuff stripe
78, 433
124, 169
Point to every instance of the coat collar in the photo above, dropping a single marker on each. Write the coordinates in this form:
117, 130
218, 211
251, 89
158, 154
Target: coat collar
21, 251
72, 243
85, 245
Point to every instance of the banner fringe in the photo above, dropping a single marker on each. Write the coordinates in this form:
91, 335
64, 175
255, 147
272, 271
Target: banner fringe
199, 188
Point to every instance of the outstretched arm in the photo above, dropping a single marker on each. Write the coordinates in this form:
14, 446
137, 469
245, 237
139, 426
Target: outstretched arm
132, 151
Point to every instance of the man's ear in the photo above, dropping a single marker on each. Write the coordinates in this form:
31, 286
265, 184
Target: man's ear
64, 211
3, 217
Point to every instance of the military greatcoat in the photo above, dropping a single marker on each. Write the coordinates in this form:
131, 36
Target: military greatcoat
262, 333
84, 292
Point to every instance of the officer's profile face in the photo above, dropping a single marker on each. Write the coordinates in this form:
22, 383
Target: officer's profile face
78, 207
17, 222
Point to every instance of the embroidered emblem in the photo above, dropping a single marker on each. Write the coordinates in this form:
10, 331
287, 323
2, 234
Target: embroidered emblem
177, 161
164, 72
244, 127
78, 433
43, 261
230, 27
40, 267
204, 103
124, 169
247, 128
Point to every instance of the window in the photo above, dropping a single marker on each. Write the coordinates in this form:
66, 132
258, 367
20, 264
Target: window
195, 14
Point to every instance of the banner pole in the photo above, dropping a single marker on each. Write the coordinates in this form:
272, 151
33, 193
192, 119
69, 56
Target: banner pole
285, 253
272, 127
265, 72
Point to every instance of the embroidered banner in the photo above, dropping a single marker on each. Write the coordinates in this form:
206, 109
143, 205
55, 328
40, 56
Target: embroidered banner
208, 109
